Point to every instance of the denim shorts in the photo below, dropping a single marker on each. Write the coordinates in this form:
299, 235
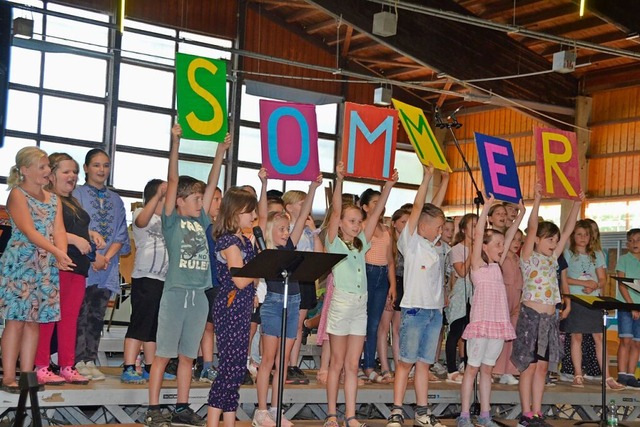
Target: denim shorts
627, 327
271, 314
419, 334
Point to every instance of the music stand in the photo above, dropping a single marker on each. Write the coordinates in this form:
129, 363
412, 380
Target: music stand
273, 264
602, 303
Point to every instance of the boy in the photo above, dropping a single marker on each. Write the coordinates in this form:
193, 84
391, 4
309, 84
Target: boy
629, 321
183, 307
421, 305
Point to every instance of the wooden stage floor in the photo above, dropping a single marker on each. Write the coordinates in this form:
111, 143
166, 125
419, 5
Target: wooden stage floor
110, 401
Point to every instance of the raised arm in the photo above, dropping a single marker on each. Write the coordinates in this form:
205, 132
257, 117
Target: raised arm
305, 210
214, 173
569, 225
532, 225
374, 216
420, 198
478, 234
512, 230
263, 204
172, 174
442, 190
145, 215
336, 204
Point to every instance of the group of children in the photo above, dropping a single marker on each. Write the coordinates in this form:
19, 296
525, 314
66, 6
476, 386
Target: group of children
499, 291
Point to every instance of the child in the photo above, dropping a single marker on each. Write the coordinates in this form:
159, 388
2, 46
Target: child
147, 279
234, 304
37, 249
629, 321
63, 178
586, 275
421, 317
108, 218
347, 318
277, 236
489, 325
533, 353
183, 305
498, 218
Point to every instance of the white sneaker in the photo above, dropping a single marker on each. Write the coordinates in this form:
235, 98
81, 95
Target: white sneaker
262, 418
509, 379
438, 369
273, 412
82, 370
96, 374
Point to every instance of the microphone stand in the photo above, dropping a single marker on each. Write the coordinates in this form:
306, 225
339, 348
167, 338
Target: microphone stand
452, 123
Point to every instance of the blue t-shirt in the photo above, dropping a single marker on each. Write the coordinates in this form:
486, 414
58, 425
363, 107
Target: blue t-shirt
277, 286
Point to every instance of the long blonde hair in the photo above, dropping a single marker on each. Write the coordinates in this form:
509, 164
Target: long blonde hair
24, 158
271, 220
54, 164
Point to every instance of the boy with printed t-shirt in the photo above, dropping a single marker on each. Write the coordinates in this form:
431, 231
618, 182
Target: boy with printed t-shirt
183, 307
629, 321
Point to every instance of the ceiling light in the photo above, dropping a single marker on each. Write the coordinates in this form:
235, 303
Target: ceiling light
385, 24
23, 27
382, 96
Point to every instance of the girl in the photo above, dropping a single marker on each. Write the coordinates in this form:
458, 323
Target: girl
533, 352
277, 236
512, 276
346, 323
498, 218
293, 201
234, 304
37, 249
490, 326
585, 275
459, 296
63, 178
381, 286
109, 220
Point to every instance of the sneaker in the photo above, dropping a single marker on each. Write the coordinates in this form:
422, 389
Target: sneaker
438, 369
632, 382
208, 375
253, 368
131, 376
528, 422
262, 418
155, 418
82, 370
295, 373
96, 374
427, 420
284, 422
166, 376
463, 422
396, 419
47, 377
485, 422
454, 378
72, 376
186, 418
509, 379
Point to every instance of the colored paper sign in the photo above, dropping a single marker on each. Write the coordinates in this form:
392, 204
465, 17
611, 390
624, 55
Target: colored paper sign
559, 170
498, 165
289, 139
369, 141
421, 135
201, 85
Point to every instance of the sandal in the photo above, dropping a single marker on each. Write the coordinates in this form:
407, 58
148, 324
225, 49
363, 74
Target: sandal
346, 422
612, 384
363, 377
578, 381
433, 378
328, 422
388, 376
321, 377
374, 377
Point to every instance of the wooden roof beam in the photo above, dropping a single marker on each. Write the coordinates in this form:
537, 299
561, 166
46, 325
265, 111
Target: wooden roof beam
303, 13
315, 28
536, 18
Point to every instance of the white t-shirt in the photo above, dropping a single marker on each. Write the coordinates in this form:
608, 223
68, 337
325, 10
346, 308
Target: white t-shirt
151, 252
423, 272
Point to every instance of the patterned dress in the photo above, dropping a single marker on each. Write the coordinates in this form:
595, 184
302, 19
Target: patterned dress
29, 282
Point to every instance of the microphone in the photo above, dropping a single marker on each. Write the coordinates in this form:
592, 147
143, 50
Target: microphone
257, 232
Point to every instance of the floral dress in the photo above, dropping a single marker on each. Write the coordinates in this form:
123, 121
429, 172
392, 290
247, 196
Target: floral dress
29, 281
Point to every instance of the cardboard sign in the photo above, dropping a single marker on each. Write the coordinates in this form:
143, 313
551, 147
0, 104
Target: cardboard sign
498, 165
421, 135
557, 166
369, 141
289, 139
202, 97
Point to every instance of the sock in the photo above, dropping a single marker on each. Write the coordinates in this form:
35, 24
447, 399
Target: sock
147, 368
154, 407
206, 365
622, 374
397, 408
528, 414
422, 410
181, 406
466, 415
125, 367
485, 414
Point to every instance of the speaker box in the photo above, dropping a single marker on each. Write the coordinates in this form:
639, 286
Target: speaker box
5, 55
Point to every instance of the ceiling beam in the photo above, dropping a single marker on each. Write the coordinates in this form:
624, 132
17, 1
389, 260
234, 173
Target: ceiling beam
622, 13
303, 13
347, 41
540, 17
495, 12
315, 28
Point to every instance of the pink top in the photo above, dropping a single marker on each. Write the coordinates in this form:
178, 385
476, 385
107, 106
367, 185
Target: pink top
377, 255
489, 308
513, 281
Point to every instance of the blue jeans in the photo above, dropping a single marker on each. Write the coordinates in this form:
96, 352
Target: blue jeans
377, 290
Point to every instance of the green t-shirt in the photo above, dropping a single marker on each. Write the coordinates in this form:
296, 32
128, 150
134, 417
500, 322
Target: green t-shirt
350, 274
189, 266
630, 266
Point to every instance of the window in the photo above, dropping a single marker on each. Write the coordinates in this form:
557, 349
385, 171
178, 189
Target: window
614, 216
75, 73
72, 119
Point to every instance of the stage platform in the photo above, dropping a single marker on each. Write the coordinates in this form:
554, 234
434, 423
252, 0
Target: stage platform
110, 401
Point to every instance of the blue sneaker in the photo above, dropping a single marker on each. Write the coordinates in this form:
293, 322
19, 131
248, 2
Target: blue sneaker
167, 376
208, 375
131, 376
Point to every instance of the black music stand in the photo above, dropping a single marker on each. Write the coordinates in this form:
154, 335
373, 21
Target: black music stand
602, 303
273, 264
29, 387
